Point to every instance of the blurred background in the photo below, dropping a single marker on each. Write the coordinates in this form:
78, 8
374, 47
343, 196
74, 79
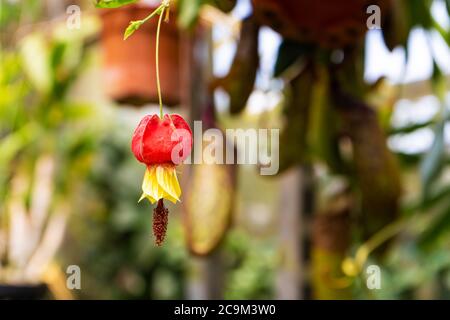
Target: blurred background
360, 208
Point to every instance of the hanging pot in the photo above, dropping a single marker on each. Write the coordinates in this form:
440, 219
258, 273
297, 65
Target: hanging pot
329, 23
129, 65
23, 292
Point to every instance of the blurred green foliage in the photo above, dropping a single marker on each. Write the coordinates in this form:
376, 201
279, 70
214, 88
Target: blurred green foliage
110, 237
109, 234
13, 14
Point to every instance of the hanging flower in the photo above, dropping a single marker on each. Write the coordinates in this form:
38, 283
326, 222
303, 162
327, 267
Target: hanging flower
161, 144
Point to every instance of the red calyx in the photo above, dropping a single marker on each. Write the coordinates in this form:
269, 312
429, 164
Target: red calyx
154, 140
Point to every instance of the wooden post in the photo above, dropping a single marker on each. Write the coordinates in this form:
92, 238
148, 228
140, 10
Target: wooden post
289, 280
205, 280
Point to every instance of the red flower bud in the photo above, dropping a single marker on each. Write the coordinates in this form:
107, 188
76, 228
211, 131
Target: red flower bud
162, 141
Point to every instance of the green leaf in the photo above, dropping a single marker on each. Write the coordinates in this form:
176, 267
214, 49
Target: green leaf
321, 119
16, 141
224, 5
439, 83
411, 127
397, 25
432, 163
112, 3
435, 198
188, 12
438, 228
288, 53
35, 57
132, 27
420, 11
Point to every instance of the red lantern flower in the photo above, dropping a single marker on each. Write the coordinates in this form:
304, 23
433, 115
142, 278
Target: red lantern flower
161, 144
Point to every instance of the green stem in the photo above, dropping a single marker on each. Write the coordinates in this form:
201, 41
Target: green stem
158, 83
151, 15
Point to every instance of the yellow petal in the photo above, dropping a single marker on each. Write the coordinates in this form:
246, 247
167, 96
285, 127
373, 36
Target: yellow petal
150, 198
146, 184
167, 183
170, 198
175, 184
156, 192
160, 181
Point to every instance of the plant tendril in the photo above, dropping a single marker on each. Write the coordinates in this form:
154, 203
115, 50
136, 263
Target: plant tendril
158, 83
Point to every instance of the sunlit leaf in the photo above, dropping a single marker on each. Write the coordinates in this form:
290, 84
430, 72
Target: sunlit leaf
112, 3
132, 27
36, 62
442, 32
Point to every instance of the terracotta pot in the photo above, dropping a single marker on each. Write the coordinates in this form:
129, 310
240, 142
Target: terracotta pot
129, 65
23, 292
329, 23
